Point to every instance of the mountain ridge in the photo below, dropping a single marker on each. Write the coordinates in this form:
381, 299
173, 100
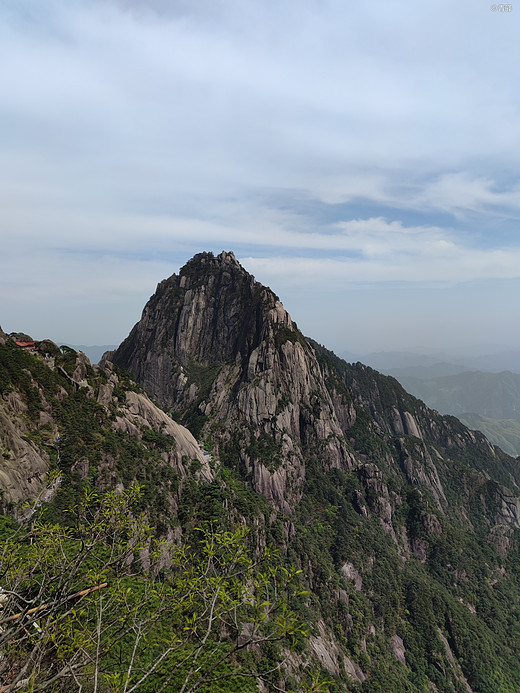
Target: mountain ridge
268, 394
402, 525
340, 446
493, 395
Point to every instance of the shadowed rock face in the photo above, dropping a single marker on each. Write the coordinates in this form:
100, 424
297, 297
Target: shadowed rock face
213, 312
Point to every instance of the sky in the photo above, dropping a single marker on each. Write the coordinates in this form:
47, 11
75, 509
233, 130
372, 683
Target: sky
361, 159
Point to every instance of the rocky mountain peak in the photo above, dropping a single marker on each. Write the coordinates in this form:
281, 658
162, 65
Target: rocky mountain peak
212, 312
403, 524
219, 348
205, 259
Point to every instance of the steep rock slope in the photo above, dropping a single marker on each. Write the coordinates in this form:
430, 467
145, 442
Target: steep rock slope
489, 402
220, 349
58, 414
434, 451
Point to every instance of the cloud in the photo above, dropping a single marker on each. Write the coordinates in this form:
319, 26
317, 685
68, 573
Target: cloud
113, 100
327, 142
428, 262
459, 192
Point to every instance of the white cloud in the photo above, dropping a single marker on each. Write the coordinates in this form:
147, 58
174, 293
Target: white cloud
459, 192
137, 129
429, 263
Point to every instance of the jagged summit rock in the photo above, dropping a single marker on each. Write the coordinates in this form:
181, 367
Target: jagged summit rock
20, 337
211, 312
219, 347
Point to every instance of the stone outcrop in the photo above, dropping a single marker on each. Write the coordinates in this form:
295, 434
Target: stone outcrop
23, 464
27, 444
138, 412
399, 648
215, 343
220, 350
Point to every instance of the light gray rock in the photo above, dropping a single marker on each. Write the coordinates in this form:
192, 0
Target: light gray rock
23, 465
399, 648
216, 339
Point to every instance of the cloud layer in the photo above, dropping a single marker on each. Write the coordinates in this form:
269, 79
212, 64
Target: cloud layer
332, 146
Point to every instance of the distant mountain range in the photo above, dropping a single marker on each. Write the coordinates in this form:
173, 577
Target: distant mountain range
493, 395
431, 364
488, 402
504, 433
483, 391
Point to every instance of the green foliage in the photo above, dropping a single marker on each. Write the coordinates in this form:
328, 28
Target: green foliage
160, 440
282, 403
264, 448
284, 334
79, 606
364, 435
20, 370
8, 527
67, 360
203, 377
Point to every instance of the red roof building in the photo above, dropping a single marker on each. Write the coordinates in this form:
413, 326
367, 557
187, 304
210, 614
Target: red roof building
28, 346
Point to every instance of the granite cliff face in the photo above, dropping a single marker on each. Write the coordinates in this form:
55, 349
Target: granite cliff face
218, 347
219, 350
403, 525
